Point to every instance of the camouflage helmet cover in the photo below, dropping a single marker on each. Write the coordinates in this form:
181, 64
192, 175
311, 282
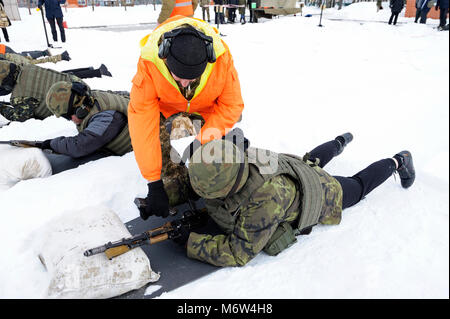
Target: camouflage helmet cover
5, 69
214, 167
58, 97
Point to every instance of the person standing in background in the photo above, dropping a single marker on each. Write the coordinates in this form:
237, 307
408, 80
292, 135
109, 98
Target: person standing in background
379, 5
396, 7
218, 12
172, 8
205, 9
242, 11
4, 21
54, 13
423, 7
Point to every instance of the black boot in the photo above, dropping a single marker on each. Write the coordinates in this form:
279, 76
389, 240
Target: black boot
343, 140
65, 56
104, 70
405, 168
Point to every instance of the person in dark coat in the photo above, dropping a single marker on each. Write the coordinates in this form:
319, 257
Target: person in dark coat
396, 7
5, 32
422, 9
53, 12
443, 6
232, 10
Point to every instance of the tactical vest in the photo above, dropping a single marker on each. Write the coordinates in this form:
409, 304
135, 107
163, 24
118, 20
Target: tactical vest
35, 82
308, 202
111, 102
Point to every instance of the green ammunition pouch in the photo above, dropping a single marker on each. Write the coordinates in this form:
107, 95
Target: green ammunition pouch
283, 238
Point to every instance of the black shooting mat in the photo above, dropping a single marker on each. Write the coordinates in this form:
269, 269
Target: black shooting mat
168, 258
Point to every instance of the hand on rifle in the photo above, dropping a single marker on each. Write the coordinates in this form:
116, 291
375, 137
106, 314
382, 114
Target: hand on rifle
157, 201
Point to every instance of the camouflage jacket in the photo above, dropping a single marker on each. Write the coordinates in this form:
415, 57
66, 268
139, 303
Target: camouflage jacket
251, 220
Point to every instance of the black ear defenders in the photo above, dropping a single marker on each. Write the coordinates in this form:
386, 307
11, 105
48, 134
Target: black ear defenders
166, 42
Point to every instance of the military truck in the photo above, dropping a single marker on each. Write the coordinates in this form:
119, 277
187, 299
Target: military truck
270, 8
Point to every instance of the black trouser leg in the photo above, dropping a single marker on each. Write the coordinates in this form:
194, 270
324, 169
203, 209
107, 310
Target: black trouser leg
417, 15
61, 29
51, 21
325, 152
390, 19
423, 16
61, 163
395, 18
356, 187
85, 73
5, 34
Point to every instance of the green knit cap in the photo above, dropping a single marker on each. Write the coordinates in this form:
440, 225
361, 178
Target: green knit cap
214, 169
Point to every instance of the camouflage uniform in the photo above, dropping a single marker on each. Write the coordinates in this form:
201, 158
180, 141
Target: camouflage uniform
21, 108
28, 95
265, 206
175, 176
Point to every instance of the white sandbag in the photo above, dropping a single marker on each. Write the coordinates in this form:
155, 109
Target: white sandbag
17, 163
73, 275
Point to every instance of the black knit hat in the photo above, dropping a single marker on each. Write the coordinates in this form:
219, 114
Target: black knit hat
187, 57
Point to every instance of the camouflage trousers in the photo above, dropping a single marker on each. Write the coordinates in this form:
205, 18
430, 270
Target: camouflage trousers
331, 212
19, 59
20, 110
174, 174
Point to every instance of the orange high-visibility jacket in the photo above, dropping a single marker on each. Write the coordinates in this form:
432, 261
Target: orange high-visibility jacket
217, 98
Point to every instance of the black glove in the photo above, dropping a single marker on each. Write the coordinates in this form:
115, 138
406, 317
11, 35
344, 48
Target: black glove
189, 151
181, 235
157, 201
44, 145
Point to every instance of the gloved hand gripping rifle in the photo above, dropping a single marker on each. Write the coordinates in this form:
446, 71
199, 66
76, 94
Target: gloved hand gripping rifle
191, 219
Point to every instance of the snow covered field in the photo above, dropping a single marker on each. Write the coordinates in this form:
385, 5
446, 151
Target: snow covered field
302, 85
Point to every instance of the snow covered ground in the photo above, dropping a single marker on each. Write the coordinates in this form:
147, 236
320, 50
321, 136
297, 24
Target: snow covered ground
302, 85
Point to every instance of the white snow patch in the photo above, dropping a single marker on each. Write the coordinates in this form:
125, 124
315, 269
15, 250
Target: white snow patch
302, 85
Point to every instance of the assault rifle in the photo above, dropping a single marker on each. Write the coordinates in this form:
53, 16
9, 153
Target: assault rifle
191, 219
